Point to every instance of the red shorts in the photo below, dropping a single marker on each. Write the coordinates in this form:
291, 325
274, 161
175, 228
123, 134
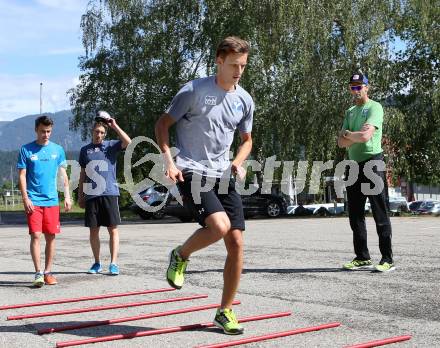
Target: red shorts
44, 219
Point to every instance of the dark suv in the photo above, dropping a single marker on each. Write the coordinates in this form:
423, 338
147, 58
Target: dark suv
256, 204
259, 203
270, 205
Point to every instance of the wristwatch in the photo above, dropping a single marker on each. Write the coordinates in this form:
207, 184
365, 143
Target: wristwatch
346, 132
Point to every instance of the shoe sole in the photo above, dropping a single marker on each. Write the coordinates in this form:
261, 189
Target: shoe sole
93, 272
166, 274
390, 270
216, 323
360, 268
38, 285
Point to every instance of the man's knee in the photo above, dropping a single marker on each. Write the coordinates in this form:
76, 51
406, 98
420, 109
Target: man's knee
94, 230
49, 236
35, 237
384, 229
220, 225
112, 230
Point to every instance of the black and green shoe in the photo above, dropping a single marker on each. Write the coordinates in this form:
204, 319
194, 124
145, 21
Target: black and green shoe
176, 270
225, 319
385, 267
358, 264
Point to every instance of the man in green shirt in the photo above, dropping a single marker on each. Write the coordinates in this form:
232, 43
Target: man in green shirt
361, 134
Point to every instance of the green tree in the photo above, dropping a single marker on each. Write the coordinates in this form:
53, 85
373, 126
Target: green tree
139, 53
413, 126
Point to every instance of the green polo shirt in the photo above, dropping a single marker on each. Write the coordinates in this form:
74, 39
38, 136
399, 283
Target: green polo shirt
355, 117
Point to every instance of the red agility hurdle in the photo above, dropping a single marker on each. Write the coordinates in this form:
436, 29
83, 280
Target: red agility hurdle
86, 298
271, 336
125, 319
164, 330
103, 308
382, 342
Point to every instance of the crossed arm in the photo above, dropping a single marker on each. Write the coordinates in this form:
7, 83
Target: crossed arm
347, 138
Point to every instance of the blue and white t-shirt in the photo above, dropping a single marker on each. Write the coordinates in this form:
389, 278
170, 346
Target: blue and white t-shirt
207, 117
99, 160
41, 163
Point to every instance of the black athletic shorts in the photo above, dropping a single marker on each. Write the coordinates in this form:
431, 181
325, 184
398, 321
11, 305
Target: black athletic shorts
102, 211
212, 201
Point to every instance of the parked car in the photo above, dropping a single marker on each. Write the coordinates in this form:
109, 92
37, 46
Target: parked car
302, 210
259, 203
153, 196
429, 207
414, 205
398, 204
320, 209
256, 204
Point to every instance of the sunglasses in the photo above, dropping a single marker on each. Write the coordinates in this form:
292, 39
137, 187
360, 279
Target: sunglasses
356, 88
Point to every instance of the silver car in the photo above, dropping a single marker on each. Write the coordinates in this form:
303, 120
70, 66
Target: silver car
398, 204
153, 196
429, 207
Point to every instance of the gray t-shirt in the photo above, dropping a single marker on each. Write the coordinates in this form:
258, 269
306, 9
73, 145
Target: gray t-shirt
207, 117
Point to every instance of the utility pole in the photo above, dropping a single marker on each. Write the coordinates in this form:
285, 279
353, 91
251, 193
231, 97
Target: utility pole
41, 98
12, 188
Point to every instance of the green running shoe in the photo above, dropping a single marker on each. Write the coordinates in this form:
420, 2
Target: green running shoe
176, 269
225, 319
385, 267
39, 280
357, 264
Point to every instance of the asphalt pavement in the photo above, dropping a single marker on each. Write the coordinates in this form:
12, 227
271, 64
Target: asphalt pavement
291, 265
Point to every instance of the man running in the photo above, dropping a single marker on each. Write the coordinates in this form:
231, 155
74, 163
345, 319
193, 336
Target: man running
207, 112
38, 165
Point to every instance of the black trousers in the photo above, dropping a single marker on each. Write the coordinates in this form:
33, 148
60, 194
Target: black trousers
379, 206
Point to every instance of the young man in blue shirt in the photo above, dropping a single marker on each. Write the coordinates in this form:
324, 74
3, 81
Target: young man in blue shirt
38, 165
98, 189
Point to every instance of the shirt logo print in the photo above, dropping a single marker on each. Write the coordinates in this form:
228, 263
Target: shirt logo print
237, 106
210, 100
34, 157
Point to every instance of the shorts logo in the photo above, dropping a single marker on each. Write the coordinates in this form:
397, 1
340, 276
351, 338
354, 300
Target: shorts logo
201, 211
237, 106
210, 100
34, 157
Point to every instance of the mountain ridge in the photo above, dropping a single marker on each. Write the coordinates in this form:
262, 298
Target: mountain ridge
14, 134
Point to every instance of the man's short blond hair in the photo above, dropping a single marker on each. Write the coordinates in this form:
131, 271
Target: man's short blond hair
231, 44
